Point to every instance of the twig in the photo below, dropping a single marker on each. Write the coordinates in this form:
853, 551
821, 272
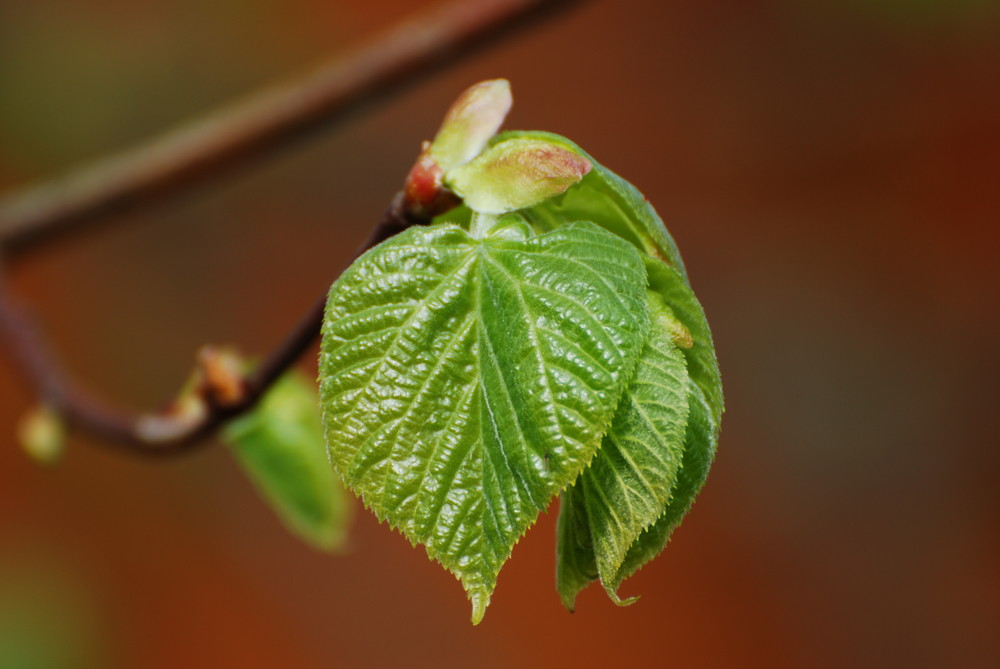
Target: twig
270, 121
172, 431
230, 138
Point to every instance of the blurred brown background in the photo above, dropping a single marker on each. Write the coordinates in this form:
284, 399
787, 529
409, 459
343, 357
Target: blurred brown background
830, 171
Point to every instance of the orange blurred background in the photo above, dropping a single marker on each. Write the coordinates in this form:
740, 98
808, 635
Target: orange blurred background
830, 171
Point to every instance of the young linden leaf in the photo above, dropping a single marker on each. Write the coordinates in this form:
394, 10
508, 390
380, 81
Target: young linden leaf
576, 563
705, 406
466, 381
629, 482
469, 124
281, 448
516, 173
590, 533
700, 442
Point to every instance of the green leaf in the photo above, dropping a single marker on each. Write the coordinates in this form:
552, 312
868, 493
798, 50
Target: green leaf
591, 533
700, 442
281, 448
464, 382
615, 205
517, 173
576, 562
604, 198
628, 484
705, 403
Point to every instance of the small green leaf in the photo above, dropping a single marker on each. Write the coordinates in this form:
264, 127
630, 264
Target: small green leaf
705, 407
598, 515
281, 448
700, 442
517, 173
465, 381
576, 562
628, 484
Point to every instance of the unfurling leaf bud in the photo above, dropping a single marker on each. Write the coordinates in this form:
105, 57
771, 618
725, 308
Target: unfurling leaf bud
515, 174
471, 121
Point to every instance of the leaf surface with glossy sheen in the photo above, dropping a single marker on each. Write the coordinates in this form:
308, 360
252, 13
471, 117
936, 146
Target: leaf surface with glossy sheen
465, 382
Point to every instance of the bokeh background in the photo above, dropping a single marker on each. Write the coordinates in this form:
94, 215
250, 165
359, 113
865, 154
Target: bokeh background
831, 171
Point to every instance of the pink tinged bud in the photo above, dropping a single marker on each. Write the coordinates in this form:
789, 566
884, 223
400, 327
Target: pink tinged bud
469, 124
471, 121
515, 174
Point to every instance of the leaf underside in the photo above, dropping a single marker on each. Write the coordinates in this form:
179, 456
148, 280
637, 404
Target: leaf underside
465, 382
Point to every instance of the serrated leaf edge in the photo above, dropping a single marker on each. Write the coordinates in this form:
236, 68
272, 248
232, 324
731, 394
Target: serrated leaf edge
481, 599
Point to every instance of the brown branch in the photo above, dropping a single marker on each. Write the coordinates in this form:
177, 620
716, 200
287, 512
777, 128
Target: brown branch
252, 130
172, 431
262, 125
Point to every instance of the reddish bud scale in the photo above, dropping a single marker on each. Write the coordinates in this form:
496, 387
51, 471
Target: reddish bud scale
423, 184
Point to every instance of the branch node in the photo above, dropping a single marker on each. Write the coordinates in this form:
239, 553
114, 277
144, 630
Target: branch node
220, 377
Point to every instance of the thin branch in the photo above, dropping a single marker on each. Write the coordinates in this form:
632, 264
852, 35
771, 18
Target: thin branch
252, 130
171, 431
266, 123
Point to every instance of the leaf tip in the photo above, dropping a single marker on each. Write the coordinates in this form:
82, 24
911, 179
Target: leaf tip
611, 589
330, 537
480, 600
628, 601
569, 601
